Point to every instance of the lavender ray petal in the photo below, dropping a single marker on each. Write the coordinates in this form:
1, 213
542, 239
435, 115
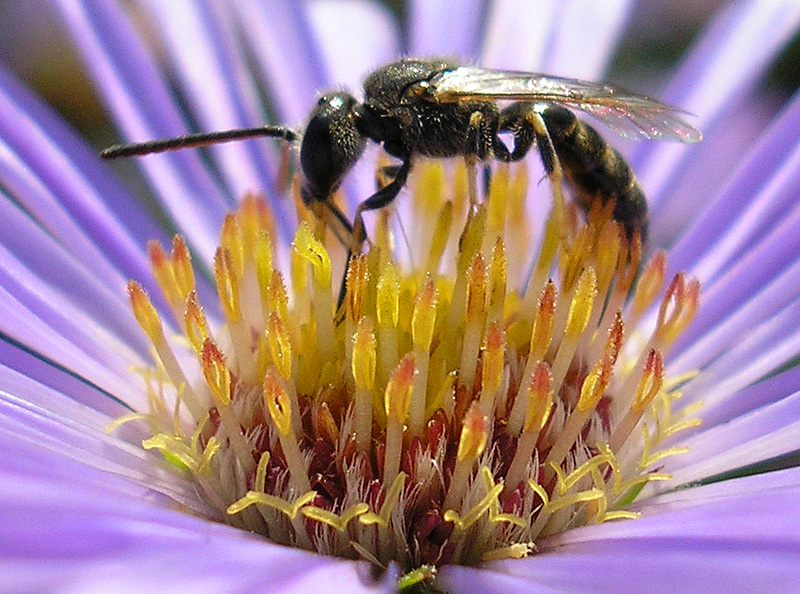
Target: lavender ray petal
90, 333
754, 396
26, 330
41, 442
728, 60
441, 29
143, 107
220, 93
284, 48
751, 293
754, 199
759, 435
104, 536
721, 540
36, 263
584, 38
354, 37
58, 194
64, 165
756, 356
517, 34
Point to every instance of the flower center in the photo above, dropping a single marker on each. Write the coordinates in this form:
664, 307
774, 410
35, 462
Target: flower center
455, 410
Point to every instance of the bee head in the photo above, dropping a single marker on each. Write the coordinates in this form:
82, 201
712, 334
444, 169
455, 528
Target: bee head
331, 145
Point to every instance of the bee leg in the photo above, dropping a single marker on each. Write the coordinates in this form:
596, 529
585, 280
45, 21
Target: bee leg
471, 155
525, 121
379, 199
480, 144
334, 219
385, 173
487, 180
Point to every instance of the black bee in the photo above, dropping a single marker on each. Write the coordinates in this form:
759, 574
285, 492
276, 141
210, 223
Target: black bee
439, 108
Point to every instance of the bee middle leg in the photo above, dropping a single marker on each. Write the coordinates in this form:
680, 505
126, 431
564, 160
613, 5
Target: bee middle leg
481, 144
525, 122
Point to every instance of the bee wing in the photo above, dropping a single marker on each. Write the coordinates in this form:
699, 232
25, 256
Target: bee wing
629, 114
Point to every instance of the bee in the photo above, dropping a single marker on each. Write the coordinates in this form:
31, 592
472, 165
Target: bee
440, 108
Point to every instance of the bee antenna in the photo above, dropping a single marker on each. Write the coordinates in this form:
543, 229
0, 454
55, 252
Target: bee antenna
195, 140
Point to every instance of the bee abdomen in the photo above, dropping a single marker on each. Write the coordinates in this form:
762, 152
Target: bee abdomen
595, 170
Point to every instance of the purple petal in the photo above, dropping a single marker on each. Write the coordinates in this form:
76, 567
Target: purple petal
54, 177
143, 107
287, 44
584, 37
25, 327
91, 532
755, 198
751, 397
759, 435
746, 282
727, 312
355, 37
36, 268
518, 34
732, 542
725, 64
442, 29
282, 42
46, 434
218, 89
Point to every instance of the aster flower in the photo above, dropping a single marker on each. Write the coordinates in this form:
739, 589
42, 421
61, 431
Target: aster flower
229, 430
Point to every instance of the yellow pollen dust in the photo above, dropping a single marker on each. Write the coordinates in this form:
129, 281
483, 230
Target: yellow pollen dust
452, 410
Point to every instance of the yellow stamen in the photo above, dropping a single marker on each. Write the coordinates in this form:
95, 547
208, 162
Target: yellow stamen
357, 279
228, 284
145, 313
182, 267
364, 363
195, 322
474, 435
541, 337
475, 308
277, 299
388, 311
280, 345
650, 385
422, 326
264, 270
279, 407
539, 407
216, 373
439, 237
165, 275
650, 283
311, 249
592, 389
231, 242
580, 310
498, 274
493, 358
218, 380
397, 401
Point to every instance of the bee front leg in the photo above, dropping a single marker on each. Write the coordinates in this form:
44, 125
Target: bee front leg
383, 197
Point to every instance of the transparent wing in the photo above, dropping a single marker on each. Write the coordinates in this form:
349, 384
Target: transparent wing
629, 114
